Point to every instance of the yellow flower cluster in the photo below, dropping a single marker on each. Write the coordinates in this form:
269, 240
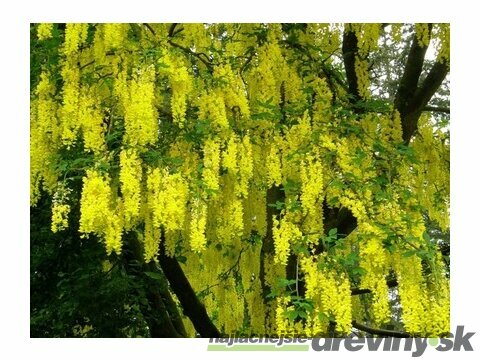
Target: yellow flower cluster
311, 195
312, 184
351, 201
444, 46
75, 35
114, 35
412, 293
231, 306
44, 138
71, 95
114, 230
181, 83
245, 167
167, 199
130, 180
151, 239
421, 301
181, 86
90, 118
196, 35
198, 224
330, 292
141, 123
211, 164
232, 88
229, 156
44, 31
363, 80
212, 107
323, 99
60, 209
281, 321
374, 259
423, 34
285, 233
367, 35
274, 166
431, 171
38, 153
396, 32
97, 215
262, 83
438, 301
60, 217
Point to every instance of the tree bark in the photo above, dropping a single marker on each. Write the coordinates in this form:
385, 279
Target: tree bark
192, 307
411, 98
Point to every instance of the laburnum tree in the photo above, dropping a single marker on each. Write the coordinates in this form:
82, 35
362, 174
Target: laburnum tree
249, 179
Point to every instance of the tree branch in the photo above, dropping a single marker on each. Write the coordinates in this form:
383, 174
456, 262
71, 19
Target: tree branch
192, 53
171, 31
411, 99
382, 332
409, 81
150, 28
349, 51
192, 307
413, 109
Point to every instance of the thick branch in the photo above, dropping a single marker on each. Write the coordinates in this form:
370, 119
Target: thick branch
160, 322
423, 94
171, 31
381, 332
431, 83
413, 69
349, 50
162, 314
192, 307
411, 99
163, 298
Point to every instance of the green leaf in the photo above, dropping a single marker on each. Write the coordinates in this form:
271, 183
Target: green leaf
292, 315
323, 317
409, 253
426, 237
359, 271
302, 314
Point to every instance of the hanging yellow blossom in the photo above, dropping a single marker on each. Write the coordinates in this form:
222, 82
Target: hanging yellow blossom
130, 179
229, 156
44, 31
141, 123
285, 234
97, 213
167, 199
60, 217
151, 239
90, 118
75, 35
114, 35
198, 223
245, 167
211, 164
